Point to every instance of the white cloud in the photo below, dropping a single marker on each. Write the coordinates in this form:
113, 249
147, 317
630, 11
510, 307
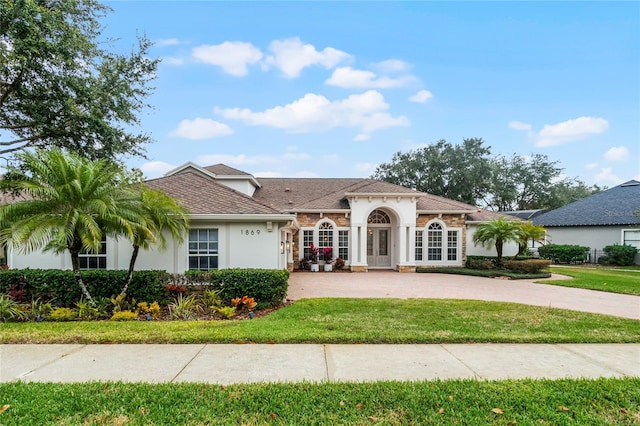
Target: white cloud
392, 65
167, 42
366, 112
570, 130
361, 137
519, 125
228, 159
172, 61
349, 78
201, 128
607, 177
291, 56
278, 162
232, 56
591, 166
156, 168
421, 97
617, 153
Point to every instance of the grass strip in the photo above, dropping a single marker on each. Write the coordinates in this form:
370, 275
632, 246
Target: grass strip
611, 280
332, 320
468, 402
486, 273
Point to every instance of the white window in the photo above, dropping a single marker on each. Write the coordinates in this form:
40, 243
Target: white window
92, 261
325, 240
631, 237
434, 242
324, 235
419, 245
203, 249
452, 246
343, 245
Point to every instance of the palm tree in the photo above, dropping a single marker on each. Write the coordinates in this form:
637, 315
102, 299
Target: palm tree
67, 203
528, 231
496, 232
160, 213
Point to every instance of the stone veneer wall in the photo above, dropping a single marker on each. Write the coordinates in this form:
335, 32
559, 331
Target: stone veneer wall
309, 220
452, 221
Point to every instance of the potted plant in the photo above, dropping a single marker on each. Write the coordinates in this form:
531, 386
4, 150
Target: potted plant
313, 257
328, 259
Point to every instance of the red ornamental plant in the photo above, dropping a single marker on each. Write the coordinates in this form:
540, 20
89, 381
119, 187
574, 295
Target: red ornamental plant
247, 301
328, 254
313, 253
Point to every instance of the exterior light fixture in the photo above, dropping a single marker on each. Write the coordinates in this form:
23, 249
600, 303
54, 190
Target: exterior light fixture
281, 247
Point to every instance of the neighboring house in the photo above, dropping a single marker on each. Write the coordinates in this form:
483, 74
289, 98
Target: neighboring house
237, 220
606, 218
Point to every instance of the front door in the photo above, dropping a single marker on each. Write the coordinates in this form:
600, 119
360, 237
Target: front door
378, 247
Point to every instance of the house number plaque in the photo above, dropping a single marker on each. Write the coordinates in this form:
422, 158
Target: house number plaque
249, 232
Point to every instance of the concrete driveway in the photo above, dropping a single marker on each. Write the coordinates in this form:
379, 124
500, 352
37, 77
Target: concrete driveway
381, 284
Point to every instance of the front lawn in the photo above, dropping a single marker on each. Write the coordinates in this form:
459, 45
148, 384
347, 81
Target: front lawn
353, 321
611, 280
462, 402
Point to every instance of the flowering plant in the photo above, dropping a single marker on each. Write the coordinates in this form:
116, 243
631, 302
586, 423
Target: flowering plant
328, 254
313, 253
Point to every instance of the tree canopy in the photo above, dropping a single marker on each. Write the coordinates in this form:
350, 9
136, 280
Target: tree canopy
468, 172
60, 87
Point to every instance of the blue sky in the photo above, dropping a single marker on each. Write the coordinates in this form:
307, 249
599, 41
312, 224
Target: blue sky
332, 89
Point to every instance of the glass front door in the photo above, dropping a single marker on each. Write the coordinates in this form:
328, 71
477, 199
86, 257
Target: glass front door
378, 247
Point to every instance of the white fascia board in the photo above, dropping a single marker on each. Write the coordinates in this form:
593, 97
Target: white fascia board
240, 177
382, 194
244, 217
187, 165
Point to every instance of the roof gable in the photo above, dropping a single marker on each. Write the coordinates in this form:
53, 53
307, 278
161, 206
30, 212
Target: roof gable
615, 206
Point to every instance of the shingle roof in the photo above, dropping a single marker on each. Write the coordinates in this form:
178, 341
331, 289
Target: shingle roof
615, 206
201, 194
525, 214
224, 170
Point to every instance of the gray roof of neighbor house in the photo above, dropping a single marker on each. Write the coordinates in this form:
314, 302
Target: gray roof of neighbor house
615, 206
525, 214
200, 194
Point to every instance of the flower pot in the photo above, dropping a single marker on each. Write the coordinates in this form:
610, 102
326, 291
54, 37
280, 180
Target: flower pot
328, 267
315, 267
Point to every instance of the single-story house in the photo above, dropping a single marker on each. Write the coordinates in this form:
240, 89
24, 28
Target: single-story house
605, 218
238, 220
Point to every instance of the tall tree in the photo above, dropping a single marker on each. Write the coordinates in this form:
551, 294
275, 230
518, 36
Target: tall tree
459, 172
67, 203
496, 233
160, 214
60, 88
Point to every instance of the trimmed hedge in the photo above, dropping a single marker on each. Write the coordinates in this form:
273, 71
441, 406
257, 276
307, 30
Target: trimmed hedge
266, 286
621, 255
563, 253
494, 273
61, 287
530, 266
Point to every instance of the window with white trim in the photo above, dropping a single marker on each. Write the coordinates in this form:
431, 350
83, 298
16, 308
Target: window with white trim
631, 237
419, 235
325, 239
307, 240
434, 242
452, 246
94, 261
343, 245
203, 249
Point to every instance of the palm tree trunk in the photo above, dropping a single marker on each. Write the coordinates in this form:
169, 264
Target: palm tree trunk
499, 250
75, 265
132, 263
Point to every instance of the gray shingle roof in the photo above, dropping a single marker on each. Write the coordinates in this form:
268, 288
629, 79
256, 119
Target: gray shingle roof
200, 194
224, 170
615, 206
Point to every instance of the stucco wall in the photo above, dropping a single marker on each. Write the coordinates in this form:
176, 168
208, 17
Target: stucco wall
594, 237
509, 249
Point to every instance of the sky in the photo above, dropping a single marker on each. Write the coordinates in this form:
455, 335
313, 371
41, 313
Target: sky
333, 89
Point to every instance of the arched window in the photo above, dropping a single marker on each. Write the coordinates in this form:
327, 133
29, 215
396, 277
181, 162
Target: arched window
325, 239
378, 216
434, 242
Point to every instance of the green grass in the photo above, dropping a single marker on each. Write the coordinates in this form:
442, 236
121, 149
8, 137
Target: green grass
458, 402
611, 280
353, 321
486, 273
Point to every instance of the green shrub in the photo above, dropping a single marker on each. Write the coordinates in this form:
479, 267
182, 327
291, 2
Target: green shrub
532, 266
227, 311
622, 255
265, 285
563, 253
10, 310
38, 310
185, 308
124, 316
49, 284
63, 314
481, 262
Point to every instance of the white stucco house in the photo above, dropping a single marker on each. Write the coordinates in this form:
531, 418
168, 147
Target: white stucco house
606, 218
238, 220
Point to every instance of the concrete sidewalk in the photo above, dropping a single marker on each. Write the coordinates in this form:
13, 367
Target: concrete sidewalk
227, 364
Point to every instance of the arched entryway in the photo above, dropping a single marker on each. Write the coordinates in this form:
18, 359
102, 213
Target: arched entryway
379, 240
